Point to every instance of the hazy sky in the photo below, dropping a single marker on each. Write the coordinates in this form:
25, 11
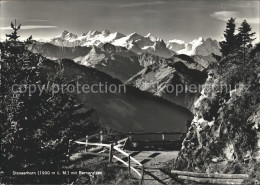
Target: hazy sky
168, 19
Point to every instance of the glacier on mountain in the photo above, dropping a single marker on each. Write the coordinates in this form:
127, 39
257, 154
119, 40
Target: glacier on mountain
138, 43
199, 46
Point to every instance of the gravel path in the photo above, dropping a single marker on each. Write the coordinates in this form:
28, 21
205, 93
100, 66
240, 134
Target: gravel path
154, 161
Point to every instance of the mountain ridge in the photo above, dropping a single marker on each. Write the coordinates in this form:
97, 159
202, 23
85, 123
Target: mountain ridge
138, 43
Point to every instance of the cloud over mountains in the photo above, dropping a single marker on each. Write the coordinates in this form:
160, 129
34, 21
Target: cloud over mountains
225, 15
31, 27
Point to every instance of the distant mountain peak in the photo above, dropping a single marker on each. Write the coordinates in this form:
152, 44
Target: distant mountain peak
95, 32
198, 41
198, 46
159, 43
209, 39
148, 35
106, 32
119, 34
65, 32
176, 41
200, 38
138, 43
67, 35
132, 34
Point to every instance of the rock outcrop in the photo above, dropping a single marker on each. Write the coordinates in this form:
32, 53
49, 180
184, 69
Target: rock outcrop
171, 80
224, 134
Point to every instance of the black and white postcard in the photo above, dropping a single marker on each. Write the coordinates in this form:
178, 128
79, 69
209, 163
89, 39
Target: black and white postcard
130, 92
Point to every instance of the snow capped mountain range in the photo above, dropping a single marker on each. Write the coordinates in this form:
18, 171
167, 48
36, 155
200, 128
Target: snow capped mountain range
115, 61
91, 38
138, 43
199, 46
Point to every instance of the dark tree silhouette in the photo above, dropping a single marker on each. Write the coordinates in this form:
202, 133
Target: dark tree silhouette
245, 36
13, 36
229, 45
244, 39
29, 40
35, 127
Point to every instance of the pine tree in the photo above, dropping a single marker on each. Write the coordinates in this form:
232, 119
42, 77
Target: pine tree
35, 127
245, 37
229, 45
13, 36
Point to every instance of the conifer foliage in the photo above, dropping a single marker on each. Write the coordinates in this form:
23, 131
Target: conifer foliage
14, 36
35, 127
240, 42
229, 45
245, 36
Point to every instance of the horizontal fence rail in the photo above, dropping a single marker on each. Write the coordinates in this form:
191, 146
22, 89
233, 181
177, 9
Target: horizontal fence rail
211, 178
145, 133
125, 163
111, 155
126, 154
150, 133
92, 144
213, 175
132, 164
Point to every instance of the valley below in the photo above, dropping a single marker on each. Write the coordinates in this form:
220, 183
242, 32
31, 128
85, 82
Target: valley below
158, 98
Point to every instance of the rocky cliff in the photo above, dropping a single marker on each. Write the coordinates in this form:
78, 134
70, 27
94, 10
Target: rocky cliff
171, 79
224, 134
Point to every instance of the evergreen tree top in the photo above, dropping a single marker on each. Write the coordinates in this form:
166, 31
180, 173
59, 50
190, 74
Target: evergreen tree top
13, 36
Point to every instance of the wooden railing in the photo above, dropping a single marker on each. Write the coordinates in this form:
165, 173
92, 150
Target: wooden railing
129, 163
147, 133
112, 155
138, 168
162, 135
211, 178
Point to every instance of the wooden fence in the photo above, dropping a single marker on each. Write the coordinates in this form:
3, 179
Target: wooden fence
137, 169
211, 178
132, 164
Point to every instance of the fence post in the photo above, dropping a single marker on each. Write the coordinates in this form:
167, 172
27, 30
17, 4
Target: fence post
111, 152
69, 150
86, 143
129, 165
142, 176
101, 136
163, 136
